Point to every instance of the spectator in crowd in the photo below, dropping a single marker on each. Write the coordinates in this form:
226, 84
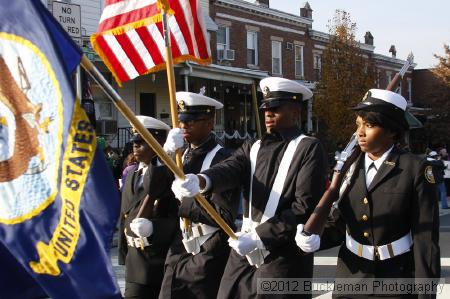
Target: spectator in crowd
438, 169
129, 165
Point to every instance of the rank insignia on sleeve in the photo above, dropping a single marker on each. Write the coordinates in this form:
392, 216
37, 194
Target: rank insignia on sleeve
429, 175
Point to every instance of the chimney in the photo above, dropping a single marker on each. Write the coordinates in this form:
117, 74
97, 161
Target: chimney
368, 38
393, 51
264, 3
306, 11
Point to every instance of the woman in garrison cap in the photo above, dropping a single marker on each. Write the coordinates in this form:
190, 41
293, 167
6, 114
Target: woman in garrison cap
386, 217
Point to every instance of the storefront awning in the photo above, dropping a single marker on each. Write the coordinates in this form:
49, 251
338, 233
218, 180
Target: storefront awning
223, 73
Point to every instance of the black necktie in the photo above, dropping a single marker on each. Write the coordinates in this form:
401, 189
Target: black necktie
137, 179
371, 172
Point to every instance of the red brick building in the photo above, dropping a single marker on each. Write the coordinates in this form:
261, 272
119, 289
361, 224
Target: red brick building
249, 41
254, 36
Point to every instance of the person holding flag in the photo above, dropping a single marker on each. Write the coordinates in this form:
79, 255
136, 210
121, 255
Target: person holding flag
197, 257
145, 237
283, 176
58, 206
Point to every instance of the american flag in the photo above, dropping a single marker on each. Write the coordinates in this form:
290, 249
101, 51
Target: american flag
130, 37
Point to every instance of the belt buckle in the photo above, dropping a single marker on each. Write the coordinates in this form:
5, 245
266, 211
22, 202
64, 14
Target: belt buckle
139, 243
130, 242
376, 253
360, 250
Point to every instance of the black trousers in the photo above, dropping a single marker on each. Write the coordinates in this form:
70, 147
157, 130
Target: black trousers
141, 291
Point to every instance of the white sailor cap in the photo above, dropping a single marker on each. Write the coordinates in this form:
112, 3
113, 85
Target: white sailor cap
155, 126
277, 91
192, 106
385, 102
432, 154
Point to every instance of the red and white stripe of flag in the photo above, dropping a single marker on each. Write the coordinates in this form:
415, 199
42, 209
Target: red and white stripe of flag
131, 43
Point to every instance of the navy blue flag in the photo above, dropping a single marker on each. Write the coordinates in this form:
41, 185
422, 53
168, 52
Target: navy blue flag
58, 202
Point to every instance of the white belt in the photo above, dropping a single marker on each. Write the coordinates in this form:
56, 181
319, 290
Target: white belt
137, 242
202, 230
382, 252
255, 257
200, 234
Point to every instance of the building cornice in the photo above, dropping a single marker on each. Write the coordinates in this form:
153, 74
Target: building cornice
325, 37
266, 12
262, 24
392, 60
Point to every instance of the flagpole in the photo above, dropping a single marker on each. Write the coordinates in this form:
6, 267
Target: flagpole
172, 95
171, 80
255, 107
149, 139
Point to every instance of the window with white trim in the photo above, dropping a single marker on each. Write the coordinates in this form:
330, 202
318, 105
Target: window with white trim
105, 110
388, 78
378, 78
276, 57
299, 61
317, 60
409, 95
252, 47
223, 38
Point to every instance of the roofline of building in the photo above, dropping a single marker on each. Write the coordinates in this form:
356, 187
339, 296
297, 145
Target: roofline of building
223, 73
267, 11
325, 37
390, 59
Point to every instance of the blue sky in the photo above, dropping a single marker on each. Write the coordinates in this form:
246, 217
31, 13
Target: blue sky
418, 26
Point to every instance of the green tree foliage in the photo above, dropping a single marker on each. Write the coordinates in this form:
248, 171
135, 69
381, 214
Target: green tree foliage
346, 76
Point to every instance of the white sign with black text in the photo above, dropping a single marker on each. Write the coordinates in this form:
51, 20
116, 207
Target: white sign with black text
69, 16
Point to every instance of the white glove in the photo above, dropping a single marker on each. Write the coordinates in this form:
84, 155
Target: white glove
189, 187
307, 243
141, 227
245, 243
174, 140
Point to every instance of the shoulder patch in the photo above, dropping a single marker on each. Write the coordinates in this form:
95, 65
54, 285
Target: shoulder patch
429, 175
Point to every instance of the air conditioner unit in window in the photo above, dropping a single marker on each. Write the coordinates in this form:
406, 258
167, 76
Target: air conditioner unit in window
289, 46
106, 127
225, 54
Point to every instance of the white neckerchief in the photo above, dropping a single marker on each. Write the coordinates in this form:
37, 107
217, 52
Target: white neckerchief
370, 173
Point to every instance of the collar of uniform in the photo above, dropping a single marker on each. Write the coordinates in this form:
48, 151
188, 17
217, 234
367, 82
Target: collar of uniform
206, 146
284, 134
142, 166
155, 161
378, 162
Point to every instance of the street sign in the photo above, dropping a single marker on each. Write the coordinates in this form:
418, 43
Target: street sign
69, 16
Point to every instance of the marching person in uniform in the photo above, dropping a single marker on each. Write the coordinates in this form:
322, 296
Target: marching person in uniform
283, 176
144, 241
386, 217
198, 255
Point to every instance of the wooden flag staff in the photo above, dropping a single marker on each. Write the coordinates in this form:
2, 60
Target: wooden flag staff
256, 109
172, 95
151, 141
